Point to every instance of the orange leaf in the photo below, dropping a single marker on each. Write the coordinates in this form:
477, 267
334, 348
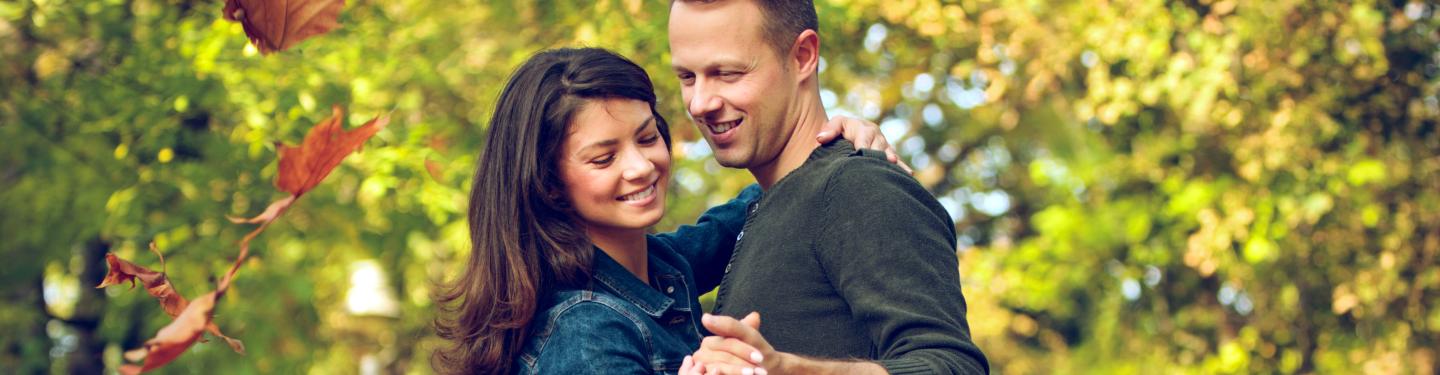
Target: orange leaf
178, 336
276, 25
158, 286
437, 172
155, 282
270, 213
301, 168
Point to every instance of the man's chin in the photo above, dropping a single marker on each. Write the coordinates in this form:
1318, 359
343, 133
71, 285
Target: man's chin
732, 161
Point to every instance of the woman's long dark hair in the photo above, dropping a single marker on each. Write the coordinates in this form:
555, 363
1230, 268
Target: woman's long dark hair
525, 238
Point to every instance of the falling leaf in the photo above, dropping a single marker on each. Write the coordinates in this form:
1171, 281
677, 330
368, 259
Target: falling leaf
301, 169
276, 25
437, 171
178, 336
270, 213
158, 285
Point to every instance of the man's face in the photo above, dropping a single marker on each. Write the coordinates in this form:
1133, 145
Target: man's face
735, 87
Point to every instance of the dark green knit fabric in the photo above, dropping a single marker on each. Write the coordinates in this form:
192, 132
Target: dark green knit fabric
848, 257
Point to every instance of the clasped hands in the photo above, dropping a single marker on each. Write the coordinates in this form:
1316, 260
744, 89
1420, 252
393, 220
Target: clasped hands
736, 348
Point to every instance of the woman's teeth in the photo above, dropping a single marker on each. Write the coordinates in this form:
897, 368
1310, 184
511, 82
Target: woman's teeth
640, 194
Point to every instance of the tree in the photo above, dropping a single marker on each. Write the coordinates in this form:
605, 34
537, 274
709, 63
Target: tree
1208, 186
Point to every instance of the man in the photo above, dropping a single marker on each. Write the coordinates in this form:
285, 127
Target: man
851, 262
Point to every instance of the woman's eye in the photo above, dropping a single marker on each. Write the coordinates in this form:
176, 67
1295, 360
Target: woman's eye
604, 160
649, 140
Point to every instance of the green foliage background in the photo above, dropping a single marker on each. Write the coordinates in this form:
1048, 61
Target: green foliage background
1196, 186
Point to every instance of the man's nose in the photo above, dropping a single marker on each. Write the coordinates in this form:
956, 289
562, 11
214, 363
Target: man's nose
704, 101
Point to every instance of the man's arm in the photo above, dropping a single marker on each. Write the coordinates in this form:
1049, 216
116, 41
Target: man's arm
889, 249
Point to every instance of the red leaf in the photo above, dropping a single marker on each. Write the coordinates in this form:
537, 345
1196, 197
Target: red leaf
301, 168
178, 336
270, 213
158, 286
276, 25
437, 172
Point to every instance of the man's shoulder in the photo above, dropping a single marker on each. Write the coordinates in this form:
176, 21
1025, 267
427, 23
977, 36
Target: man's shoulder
840, 160
864, 172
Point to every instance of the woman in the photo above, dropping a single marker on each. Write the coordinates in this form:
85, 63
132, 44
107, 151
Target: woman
562, 276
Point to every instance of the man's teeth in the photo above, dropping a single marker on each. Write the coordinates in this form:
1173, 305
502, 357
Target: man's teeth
640, 195
721, 127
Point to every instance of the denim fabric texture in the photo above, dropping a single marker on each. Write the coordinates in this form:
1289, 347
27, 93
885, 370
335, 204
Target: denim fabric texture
619, 325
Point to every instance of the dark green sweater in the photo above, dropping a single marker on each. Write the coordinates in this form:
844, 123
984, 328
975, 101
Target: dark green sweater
848, 257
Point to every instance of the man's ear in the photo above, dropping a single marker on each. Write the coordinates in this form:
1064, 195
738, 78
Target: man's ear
805, 55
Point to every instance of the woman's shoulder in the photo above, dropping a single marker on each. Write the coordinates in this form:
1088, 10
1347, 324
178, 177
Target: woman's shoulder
584, 326
588, 305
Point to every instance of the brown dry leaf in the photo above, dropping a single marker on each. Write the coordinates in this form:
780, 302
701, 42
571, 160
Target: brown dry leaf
276, 25
303, 167
158, 286
178, 336
270, 213
437, 171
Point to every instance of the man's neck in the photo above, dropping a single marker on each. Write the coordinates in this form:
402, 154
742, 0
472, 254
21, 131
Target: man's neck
810, 118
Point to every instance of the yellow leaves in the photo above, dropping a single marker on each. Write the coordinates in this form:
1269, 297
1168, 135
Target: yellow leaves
1365, 172
1342, 300
51, 62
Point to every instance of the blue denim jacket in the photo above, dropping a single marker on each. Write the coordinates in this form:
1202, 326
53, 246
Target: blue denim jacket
619, 325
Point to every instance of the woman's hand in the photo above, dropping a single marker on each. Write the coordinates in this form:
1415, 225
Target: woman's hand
736, 349
863, 134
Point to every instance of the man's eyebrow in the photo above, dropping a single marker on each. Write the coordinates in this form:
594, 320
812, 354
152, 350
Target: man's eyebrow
715, 64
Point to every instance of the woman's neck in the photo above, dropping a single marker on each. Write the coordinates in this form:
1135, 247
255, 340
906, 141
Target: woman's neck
627, 247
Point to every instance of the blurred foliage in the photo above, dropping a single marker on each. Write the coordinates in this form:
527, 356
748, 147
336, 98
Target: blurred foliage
1206, 186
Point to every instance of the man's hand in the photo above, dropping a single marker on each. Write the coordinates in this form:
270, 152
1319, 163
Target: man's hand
737, 348
863, 134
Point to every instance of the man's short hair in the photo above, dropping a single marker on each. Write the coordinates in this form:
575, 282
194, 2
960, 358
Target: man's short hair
783, 21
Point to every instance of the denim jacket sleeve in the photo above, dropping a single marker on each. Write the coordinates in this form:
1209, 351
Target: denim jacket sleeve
708, 243
591, 338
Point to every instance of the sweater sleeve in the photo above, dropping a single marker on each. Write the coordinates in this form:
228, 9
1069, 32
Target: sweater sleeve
888, 247
708, 244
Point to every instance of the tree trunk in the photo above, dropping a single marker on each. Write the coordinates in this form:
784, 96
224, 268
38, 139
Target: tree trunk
88, 357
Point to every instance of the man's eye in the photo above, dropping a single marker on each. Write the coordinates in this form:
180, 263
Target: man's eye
686, 78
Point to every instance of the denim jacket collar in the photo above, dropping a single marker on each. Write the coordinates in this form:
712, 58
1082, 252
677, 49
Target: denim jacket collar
615, 277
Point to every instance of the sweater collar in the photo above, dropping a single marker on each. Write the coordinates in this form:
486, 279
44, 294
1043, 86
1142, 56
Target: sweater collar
838, 147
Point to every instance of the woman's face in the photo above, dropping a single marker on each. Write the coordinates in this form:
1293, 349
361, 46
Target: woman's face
615, 166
